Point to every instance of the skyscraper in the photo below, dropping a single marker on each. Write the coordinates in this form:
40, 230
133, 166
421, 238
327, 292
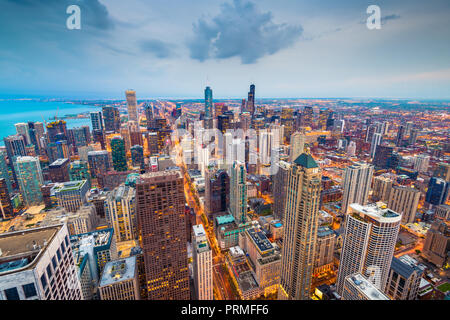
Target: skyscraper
400, 136
437, 192
59, 170
356, 185
369, 244
79, 170
97, 120
6, 208
404, 200
132, 105
280, 180
238, 192
162, 234
111, 118
208, 103
217, 191
251, 100
300, 229
376, 141
4, 171
120, 213
202, 264
29, 176
98, 162
137, 156
297, 145
22, 129
119, 158
56, 131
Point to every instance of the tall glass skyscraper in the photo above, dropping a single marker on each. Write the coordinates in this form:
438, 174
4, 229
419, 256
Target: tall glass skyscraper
132, 105
29, 176
118, 154
208, 103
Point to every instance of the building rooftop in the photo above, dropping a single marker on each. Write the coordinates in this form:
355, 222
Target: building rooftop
58, 162
118, 270
405, 266
69, 186
367, 288
259, 238
224, 219
306, 161
19, 249
376, 212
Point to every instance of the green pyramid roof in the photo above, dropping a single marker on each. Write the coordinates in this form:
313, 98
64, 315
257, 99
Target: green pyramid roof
306, 161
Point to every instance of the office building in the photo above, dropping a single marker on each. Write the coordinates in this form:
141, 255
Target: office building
120, 280
404, 200
383, 157
238, 192
79, 170
56, 131
22, 129
421, 163
118, 154
29, 176
97, 121
300, 229
82, 221
437, 192
71, 195
120, 213
209, 113
137, 156
280, 180
160, 211
59, 170
132, 105
217, 191
98, 162
37, 264
251, 100
442, 171
4, 171
442, 212
202, 264
369, 242
404, 278
437, 243
356, 287
356, 185
111, 118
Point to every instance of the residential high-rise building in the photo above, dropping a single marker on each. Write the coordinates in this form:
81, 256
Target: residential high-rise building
404, 200
400, 136
382, 188
120, 280
404, 278
356, 185
202, 264
56, 130
421, 162
111, 118
307, 116
97, 121
437, 192
120, 213
369, 244
376, 141
132, 105
39, 265
238, 192
280, 180
6, 208
98, 162
356, 287
29, 177
118, 154
437, 243
59, 170
300, 229
382, 158
160, 211
297, 145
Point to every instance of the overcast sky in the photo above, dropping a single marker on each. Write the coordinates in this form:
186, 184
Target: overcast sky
173, 49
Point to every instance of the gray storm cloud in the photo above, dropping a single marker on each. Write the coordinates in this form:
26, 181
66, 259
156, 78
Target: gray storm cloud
240, 30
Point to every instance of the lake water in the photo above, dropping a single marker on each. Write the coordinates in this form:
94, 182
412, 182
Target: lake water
15, 111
